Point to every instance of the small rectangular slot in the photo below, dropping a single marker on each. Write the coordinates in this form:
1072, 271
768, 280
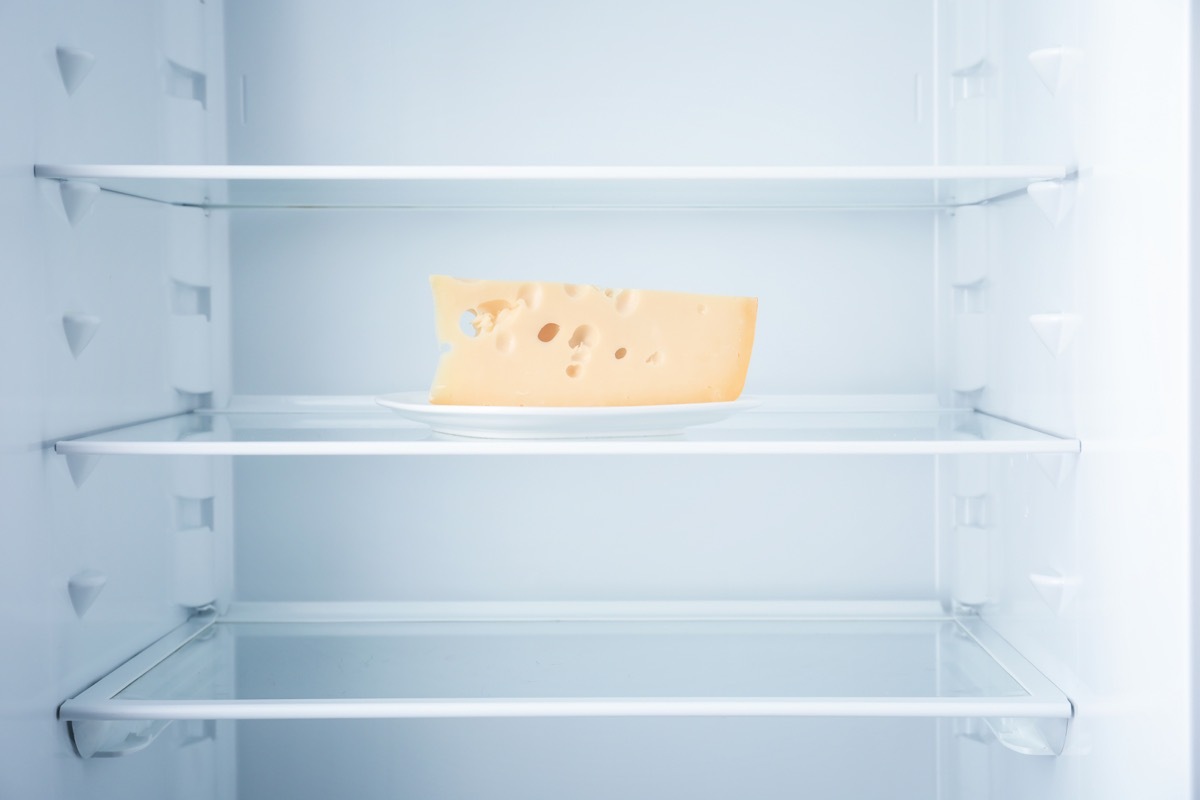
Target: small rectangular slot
191, 512
187, 299
186, 84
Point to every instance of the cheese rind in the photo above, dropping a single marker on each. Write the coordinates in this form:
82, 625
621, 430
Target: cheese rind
556, 344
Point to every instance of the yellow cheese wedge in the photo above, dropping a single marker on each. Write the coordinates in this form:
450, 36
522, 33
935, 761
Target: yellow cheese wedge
558, 344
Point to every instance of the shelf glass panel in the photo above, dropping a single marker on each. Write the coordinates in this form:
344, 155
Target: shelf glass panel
758, 431
301, 186
461, 660
775, 667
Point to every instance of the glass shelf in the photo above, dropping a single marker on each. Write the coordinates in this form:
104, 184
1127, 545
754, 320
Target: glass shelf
900, 667
299, 186
767, 430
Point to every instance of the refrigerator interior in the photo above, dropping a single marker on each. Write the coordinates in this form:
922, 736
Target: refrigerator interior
956, 527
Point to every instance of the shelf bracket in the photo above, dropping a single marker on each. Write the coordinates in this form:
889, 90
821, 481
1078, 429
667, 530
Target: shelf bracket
1056, 67
83, 588
74, 65
1056, 331
113, 738
77, 199
1054, 199
1030, 736
79, 330
80, 466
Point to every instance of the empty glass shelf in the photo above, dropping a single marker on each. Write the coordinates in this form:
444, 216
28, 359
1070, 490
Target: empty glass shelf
935, 667
298, 186
768, 430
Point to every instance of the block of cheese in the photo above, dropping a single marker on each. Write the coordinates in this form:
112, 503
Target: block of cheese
507, 343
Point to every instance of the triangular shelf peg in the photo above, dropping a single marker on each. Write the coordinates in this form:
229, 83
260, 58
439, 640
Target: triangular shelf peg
1054, 199
1056, 466
80, 467
84, 587
1056, 589
1056, 331
73, 66
79, 328
77, 199
1056, 67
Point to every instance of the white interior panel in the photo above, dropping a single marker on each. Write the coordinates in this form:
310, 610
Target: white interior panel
545, 82
545, 528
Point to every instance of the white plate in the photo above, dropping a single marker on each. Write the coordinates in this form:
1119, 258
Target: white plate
577, 422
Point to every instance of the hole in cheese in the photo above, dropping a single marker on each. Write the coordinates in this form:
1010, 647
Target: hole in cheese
620, 353
654, 358
466, 324
548, 332
573, 370
584, 335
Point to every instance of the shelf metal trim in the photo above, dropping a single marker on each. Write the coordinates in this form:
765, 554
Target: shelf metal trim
393, 708
273, 172
732, 440
327, 186
589, 611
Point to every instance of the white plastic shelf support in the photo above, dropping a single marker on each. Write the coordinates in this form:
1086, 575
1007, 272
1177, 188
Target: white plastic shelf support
79, 330
888, 665
74, 65
299, 186
754, 432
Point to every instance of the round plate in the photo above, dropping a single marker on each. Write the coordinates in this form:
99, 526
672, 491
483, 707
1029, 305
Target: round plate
559, 422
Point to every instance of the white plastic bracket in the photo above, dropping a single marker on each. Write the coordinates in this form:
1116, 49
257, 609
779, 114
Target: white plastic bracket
1030, 736
79, 330
191, 364
970, 247
1054, 199
1056, 331
73, 66
972, 541
970, 352
195, 567
970, 81
113, 738
80, 466
184, 83
1056, 67
1057, 590
971, 579
77, 197
83, 588
1056, 466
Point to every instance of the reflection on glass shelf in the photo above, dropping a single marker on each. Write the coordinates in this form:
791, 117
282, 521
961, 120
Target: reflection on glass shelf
768, 430
299, 186
828, 667
464, 660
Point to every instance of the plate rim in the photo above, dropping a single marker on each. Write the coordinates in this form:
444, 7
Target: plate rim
418, 401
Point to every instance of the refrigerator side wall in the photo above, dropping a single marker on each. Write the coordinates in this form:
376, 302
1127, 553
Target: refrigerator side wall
89, 302
1087, 307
